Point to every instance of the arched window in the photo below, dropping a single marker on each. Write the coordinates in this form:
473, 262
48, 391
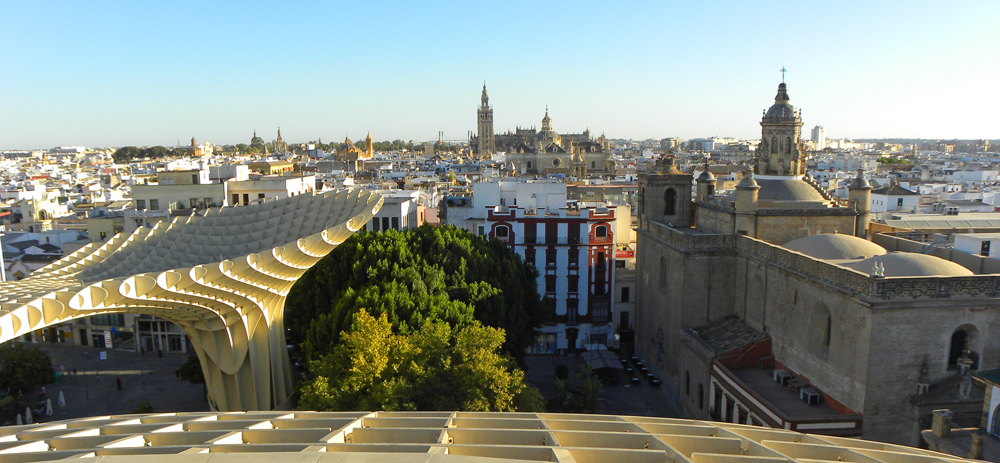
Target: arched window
502, 232
822, 323
961, 340
601, 232
829, 328
774, 145
669, 202
995, 429
788, 145
701, 396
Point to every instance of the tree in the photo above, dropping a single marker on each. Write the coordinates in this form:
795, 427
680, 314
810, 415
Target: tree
24, 368
427, 273
191, 370
432, 368
581, 393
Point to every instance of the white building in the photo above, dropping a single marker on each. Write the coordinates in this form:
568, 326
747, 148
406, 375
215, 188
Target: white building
819, 137
893, 197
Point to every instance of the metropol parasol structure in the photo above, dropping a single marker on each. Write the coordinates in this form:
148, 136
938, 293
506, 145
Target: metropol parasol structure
221, 275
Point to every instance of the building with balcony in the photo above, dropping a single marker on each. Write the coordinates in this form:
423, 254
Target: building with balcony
574, 251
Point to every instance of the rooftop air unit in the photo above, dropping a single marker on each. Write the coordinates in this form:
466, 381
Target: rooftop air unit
782, 377
809, 396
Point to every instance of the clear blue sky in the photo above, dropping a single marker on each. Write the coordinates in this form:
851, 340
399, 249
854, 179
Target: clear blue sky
138, 73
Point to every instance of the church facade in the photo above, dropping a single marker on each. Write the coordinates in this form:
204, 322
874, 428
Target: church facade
770, 307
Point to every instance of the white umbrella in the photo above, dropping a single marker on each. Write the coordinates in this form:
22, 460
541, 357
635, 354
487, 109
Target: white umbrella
62, 400
27, 416
20, 422
48, 407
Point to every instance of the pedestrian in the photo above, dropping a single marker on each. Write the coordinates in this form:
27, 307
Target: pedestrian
118, 382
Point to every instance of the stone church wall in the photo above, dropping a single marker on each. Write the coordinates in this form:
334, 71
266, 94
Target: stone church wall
904, 335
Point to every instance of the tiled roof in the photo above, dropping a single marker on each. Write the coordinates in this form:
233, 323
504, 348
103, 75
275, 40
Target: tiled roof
992, 376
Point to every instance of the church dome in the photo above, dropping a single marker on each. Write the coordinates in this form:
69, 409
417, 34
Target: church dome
778, 188
908, 264
706, 176
831, 246
781, 110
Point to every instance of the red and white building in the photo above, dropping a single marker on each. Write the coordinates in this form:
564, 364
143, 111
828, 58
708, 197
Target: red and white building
574, 251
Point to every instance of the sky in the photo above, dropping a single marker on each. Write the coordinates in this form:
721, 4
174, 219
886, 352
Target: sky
102, 74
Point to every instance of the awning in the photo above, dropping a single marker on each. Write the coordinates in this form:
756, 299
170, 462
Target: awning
597, 359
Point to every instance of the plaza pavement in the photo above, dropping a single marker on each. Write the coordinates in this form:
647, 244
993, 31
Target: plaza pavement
92, 390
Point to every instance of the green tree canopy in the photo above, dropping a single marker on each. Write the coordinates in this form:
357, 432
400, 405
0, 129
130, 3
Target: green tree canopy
432, 368
438, 274
24, 368
130, 153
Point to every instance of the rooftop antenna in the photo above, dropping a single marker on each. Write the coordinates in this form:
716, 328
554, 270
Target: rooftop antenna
783, 70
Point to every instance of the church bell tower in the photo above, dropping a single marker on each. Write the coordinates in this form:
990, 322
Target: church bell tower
487, 146
780, 151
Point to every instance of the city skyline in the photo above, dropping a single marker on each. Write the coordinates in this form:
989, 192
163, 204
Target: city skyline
117, 74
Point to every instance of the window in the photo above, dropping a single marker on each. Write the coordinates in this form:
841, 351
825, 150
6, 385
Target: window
599, 339
260, 195
574, 284
550, 284
194, 179
104, 235
573, 233
625, 293
529, 164
961, 345
602, 231
154, 204
600, 261
140, 204
550, 257
593, 164
899, 201
208, 202
193, 202
574, 257
236, 199
246, 198
385, 223
530, 232
482, 230
395, 223
529, 256
551, 233
501, 232
669, 201
375, 223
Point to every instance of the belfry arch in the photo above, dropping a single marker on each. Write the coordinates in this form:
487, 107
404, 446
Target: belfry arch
222, 277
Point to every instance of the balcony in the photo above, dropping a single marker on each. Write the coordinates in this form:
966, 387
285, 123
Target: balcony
558, 240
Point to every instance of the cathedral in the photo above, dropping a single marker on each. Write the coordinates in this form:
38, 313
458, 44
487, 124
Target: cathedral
542, 152
770, 306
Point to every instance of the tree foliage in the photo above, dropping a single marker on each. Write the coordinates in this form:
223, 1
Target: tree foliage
191, 370
24, 368
581, 393
431, 368
439, 274
129, 153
